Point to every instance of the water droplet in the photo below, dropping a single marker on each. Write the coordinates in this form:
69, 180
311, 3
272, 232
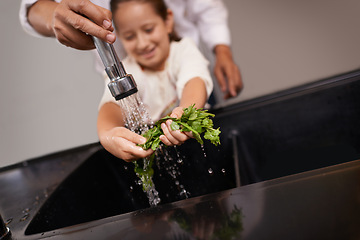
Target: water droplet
203, 150
26, 210
177, 182
183, 192
223, 170
8, 221
125, 167
210, 171
26, 216
46, 193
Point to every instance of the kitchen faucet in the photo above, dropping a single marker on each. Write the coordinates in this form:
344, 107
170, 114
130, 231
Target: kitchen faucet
121, 84
4, 231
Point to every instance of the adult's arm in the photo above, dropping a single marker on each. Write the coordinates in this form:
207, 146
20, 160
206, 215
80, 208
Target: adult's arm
68, 21
211, 18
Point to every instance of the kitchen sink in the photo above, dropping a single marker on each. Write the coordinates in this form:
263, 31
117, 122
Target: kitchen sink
104, 186
264, 141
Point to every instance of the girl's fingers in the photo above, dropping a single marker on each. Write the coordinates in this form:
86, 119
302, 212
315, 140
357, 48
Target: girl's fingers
169, 137
123, 143
166, 141
130, 151
133, 137
177, 134
189, 134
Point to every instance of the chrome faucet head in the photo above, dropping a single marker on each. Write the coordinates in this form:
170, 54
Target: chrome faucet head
123, 87
121, 84
4, 231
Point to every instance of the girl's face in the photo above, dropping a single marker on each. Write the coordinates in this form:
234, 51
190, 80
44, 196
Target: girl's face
144, 33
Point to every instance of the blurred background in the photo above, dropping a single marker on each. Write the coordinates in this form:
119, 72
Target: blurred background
49, 93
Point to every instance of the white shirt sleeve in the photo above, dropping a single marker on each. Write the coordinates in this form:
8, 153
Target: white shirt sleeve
211, 19
25, 4
188, 63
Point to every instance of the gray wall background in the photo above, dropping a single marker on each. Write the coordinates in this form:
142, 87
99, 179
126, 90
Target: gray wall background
49, 93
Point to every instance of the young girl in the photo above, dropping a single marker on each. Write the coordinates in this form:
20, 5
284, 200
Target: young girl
170, 74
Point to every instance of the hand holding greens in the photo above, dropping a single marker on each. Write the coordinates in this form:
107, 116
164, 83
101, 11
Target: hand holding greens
192, 120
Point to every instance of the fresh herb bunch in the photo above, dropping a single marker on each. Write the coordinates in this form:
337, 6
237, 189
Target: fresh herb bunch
143, 169
192, 120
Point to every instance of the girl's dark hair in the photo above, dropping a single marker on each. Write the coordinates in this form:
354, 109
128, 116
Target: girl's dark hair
159, 7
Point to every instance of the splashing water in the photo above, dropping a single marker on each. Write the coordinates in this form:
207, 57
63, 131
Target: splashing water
172, 160
137, 119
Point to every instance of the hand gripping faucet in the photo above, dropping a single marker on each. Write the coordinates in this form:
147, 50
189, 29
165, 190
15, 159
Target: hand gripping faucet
121, 84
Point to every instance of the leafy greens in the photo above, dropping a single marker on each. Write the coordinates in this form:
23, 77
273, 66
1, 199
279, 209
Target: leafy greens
192, 120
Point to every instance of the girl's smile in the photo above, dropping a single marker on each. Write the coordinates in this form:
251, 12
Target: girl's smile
149, 53
144, 34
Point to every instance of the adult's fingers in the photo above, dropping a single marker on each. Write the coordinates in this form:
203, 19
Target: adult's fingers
219, 74
234, 80
87, 26
71, 37
72, 24
97, 14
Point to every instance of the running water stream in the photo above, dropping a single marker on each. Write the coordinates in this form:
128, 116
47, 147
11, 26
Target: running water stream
138, 120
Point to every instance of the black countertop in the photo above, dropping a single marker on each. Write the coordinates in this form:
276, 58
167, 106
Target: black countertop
318, 204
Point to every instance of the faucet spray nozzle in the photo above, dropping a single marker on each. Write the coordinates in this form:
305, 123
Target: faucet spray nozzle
121, 84
123, 87
5, 233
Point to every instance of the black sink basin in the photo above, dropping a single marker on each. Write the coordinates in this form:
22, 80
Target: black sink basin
105, 186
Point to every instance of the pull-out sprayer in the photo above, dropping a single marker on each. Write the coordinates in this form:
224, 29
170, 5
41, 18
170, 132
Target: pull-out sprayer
121, 84
5, 233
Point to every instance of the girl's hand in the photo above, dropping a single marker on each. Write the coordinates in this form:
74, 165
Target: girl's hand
170, 137
122, 143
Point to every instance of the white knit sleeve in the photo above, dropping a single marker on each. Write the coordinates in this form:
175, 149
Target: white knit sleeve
189, 63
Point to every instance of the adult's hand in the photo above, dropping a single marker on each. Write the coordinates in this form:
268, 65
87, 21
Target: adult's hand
227, 72
69, 21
